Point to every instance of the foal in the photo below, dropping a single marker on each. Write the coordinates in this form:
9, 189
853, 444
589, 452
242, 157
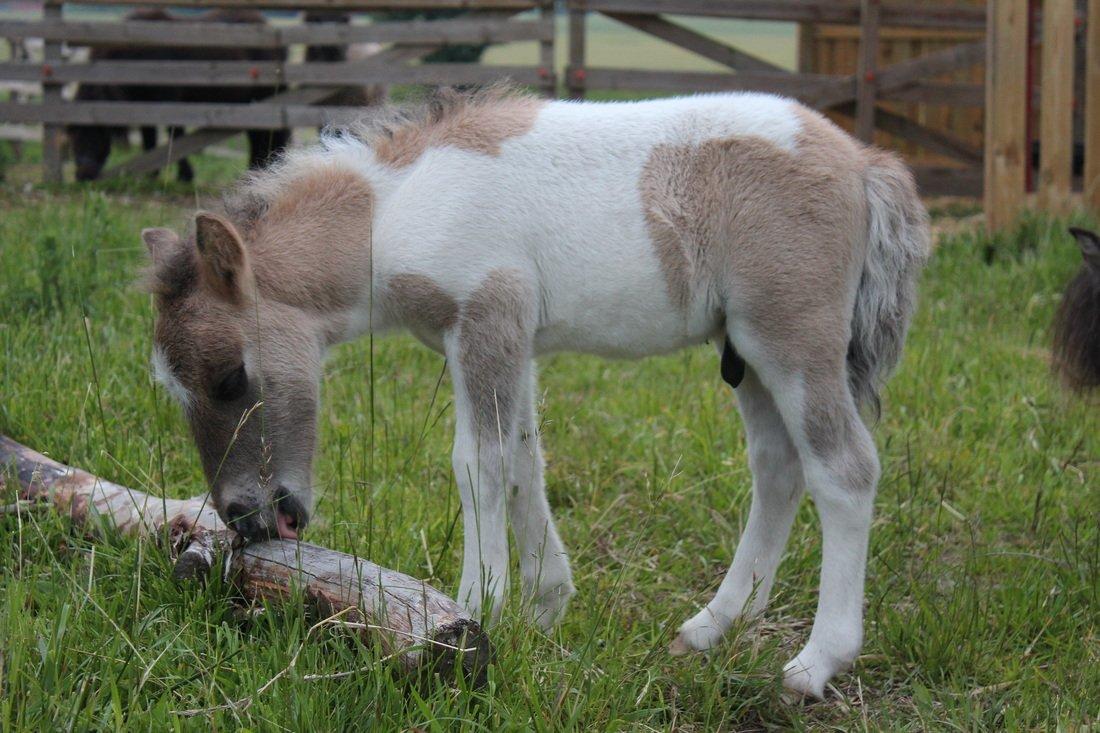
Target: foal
498, 227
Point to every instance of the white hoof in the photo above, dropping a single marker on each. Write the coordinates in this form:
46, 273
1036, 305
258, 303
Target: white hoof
550, 604
807, 674
703, 631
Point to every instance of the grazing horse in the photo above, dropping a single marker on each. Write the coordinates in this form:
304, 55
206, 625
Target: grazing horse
497, 227
1077, 323
92, 143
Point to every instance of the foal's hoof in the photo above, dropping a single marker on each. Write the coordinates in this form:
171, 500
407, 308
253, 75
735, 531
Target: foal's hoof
806, 675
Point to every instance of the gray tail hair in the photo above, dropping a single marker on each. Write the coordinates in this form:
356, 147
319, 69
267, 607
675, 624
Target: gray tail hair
898, 245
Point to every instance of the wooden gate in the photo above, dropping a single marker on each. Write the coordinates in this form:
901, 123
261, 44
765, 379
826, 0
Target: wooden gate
855, 95
306, 84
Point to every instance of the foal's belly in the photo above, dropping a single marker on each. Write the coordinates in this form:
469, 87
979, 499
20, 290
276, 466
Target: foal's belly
621, 325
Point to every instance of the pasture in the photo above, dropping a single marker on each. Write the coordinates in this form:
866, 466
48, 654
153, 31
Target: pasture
982, 594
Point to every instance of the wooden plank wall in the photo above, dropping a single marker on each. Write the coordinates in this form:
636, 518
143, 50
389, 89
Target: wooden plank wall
831, 49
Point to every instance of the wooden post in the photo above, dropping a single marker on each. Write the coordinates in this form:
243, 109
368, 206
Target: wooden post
1091, 185
807, 48
547, 61
1005, 111
51, 94
576, 72
866, 80
1056, 107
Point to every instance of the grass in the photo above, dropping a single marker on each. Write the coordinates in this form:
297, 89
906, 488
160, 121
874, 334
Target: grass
982, 607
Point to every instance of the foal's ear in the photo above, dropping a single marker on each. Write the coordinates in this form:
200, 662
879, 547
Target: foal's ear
159, 242
222, 257
1090, 246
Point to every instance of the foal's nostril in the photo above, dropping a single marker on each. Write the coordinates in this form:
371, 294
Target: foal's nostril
235, 512
288, 505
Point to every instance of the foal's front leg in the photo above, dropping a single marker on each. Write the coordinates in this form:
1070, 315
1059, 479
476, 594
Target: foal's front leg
487, 352
543, 563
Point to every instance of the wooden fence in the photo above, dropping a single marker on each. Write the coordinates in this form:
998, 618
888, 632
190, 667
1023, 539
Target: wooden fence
306, 84
901, 101
856, 96
976, 142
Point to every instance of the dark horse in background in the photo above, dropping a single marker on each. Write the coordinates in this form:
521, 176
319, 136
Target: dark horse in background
1077, 324
91, 144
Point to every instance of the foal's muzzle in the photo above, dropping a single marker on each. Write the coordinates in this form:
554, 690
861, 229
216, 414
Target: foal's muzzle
285, 518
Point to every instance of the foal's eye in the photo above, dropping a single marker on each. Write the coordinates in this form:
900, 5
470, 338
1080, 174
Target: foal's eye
232, 386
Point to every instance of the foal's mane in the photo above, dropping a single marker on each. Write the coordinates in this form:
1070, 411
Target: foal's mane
257, 190
175, 274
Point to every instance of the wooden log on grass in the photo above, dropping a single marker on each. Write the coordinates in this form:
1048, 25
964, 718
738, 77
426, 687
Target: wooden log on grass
418, 625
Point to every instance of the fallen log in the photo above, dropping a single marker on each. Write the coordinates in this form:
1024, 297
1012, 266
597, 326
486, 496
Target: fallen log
422, 628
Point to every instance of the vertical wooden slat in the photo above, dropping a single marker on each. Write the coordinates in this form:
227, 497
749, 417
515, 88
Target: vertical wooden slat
51, 94
1056, 106
576, 71
547, 62
807, 42
865, 73
1091, 184
1005, 111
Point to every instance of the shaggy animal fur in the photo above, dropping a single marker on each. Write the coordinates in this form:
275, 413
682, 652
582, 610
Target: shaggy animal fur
1077, 323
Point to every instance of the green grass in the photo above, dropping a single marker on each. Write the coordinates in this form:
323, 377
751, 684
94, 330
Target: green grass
982, 607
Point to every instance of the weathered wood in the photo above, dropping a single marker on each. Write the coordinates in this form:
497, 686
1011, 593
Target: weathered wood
576, 73
944, 93
817, 90
944, 181
263, 73
1056, 106
913, 131
329, 4
51, 94
1091, 184
1005, 112
866, 71
171, 152
422, 627
189, 144
923, 15
547, 60
686, 38
962, 56
244, 35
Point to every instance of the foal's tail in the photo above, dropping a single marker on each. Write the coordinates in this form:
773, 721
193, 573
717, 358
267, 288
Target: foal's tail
898, 245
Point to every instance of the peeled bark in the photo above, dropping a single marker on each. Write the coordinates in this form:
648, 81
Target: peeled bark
420, 626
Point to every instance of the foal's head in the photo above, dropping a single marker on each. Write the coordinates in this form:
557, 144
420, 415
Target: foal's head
245, 367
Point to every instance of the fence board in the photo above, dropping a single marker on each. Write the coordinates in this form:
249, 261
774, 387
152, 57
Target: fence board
949, 94
813, 89
242, 35
709, 48
866, 72
1006, 112
51, 94
1056, 107
923, 15
329, 4
263, 73
1091, 184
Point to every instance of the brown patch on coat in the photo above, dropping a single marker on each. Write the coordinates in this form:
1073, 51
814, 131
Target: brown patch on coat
311, 248
495, 339
777, 239
417, 302
478, 123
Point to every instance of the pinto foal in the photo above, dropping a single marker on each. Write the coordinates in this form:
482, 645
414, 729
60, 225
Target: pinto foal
498, 227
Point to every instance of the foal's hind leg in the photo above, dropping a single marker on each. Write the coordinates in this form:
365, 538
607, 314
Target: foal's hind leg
544, 565
776, 490
841, 468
